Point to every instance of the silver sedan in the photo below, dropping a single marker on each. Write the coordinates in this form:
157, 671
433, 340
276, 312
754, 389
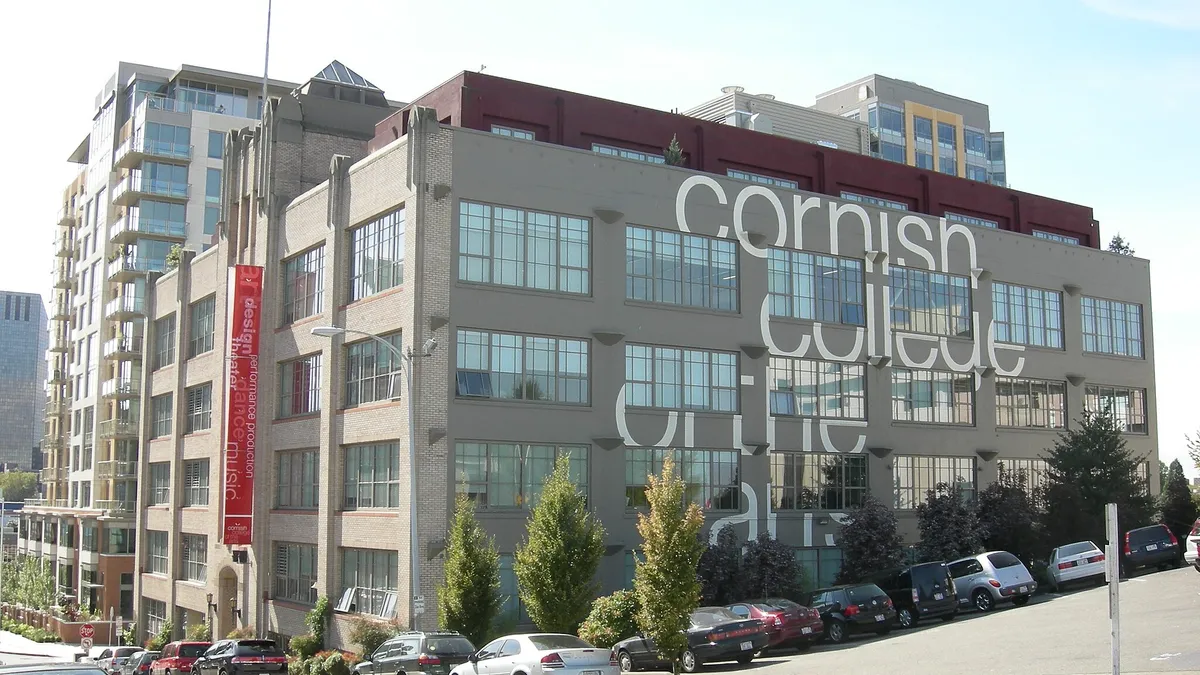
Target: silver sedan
539, 654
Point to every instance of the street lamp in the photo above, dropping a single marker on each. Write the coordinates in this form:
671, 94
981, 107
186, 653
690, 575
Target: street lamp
406, 361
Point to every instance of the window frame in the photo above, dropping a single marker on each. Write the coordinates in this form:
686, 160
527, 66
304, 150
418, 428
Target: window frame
193, 555
845, 492
625, 153
1131, 420
798, 368
476, 464
1015, 410
564, 373
202, 319
353, 484
303, 281
196, 483
159, 492
1114, 322
361, 387
931, 377
371, 273
296, 398
656, 245
198, 412
934, 468
1010, 300
645, 388
291, 581
306, 488
903, 281
164, 341
162, 415
380, 595
157, 559
807, 296
762, 179
650, 462
488, 232
513, 132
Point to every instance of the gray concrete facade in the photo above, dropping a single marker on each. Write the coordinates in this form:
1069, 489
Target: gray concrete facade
766, 113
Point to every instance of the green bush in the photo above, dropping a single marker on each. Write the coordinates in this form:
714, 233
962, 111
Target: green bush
304, 646
243, 633
29, 632
199, 632
297, 666
368, 635
612, 619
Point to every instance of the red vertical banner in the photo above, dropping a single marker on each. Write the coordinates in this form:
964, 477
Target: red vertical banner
241, 402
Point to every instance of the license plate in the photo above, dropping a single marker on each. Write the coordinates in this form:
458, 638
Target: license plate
1023, 589
747, 646
589, 672
938, 596
806, 630
1152, 547
879, 617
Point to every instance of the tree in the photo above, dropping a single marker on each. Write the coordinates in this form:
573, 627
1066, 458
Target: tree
665, 579
1008, 516
1193, 446
869, 541
18, 485
612, 619
720, 579
1089, 467
469, 599
174, 256
1119, 246
948, 525
556, 566
674, 153
770, 569
1176, 504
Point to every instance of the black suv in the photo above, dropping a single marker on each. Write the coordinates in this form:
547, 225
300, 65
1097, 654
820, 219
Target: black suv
1154, 546
239, 657
415, 653
846, 610
919, 592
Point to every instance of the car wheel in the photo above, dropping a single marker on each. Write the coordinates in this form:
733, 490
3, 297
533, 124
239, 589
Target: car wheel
906, 618
983, 600
745, 660
1021, 600
836, 631
688, 662
625, 660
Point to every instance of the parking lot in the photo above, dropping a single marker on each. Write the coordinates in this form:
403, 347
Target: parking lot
1062, 634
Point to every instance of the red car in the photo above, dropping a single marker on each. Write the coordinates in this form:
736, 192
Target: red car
789, 624
177, 658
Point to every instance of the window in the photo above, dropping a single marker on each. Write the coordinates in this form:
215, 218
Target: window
160, 483
891, 119
195, 557
1126, 404
972, 220
511, 608
154, 217
303, 284
1060, 238
1112, 327
636, 155
298, 479
874, 201
677, 378
930, 302
521, 367
199, 408
712, 477
511, 475
892, 152
975, 143
812, 388
924, 160
529, 249
370, 371
296, 573
1026, 315
201, 317
212, 186
195, 482
824, 481
681, 269
923, 128
1039, 404
369, 577
212, 216
156, 552
933, 396
630, 569
372, 476
119, 541
162, 411
947, 136
1033, 471
512, 132
167, 139
216, 144
916, 476
162, 179
164, 341
155, 612
948, 165
300, 386
823, 288
377, 255
978, 173
763, 180
821, 566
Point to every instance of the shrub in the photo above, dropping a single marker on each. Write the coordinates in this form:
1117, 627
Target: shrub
304, 646
243, 633
612, 619
330, 663
199, 632
368, 634
297, 666
160, 639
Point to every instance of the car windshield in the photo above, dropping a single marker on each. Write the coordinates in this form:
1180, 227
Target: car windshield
449, 645
546, 642
1076, 549
192, 651
257, 647
713, 616
859, 594
1002, 559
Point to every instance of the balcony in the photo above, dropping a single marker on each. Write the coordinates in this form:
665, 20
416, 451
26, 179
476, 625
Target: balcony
57, 407
64, 245
66, 217
52, 442
62, 276
122, 269
117, 469
133, 224
123, 348
50, 549
137, 148
120, 387
134, 186
60, 345
66, 554
58, 375
125, 307
60, 310
114, 506
116, 428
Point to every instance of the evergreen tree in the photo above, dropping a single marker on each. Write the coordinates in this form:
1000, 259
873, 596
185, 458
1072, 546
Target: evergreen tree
1008, 516
720, 579
948, 525
556, 567
469, 599
674, 153
665, 580
1176, 503
770, 569
1119, 246
869, 541
1193, 446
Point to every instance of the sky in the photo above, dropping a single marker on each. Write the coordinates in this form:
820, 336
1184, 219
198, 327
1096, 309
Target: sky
1092, 95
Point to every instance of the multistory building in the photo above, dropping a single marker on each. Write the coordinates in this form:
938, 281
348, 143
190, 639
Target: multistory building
555, 288
766, 113
25, 338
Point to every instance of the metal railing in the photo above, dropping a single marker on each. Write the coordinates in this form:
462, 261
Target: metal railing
116, 468
120, 386
116, 427
125, 304
139, 144
134, 222
114, 505
123, 345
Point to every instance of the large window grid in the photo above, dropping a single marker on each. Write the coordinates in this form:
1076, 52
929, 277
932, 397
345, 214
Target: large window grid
303, 284
1032, 470
933, 396
528, 249
371, 370
823, 481
823, 288
678, 378
680, 269
915, 476
296, 573
511, 475
812, 388
1112, 327
164, 341
300, 386
821, 566
1126, 404
369, 582
1055, 237
156, 615
201, 323
874, 201
521, 367
372, 476
198, 413
712, 477
195, 557
298, 476
1039, 404
972, 220
763, 180
1028, 316
160, 484
377, 255
162, 412
930, 302
195, 482
636, 155
156, 552
512, 132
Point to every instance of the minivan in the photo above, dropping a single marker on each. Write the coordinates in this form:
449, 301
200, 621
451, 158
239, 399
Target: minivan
1153, 546
989, 578
919, 592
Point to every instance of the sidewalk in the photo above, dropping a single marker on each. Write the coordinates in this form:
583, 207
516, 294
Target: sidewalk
11, 643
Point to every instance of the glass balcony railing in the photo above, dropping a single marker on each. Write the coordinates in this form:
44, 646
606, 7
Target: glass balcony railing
118, 427
120, 386
135, 266
122, 345
141, 146
114, 505
135, 223
116, 468
136, 182
126, 305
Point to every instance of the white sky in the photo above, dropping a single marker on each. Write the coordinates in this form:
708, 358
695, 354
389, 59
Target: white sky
1096, 97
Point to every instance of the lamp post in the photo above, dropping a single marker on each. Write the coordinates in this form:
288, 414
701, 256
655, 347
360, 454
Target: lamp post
406, 361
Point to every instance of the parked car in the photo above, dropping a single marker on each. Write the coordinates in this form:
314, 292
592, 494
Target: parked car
714, 634
1191, 552
51, 669
919, 592
177, 658
1081, 561
417, 653
239, 657
986, 579
112, 660
858, 608
98, 653
539, 654
1153, 546
139, 663
788, 624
